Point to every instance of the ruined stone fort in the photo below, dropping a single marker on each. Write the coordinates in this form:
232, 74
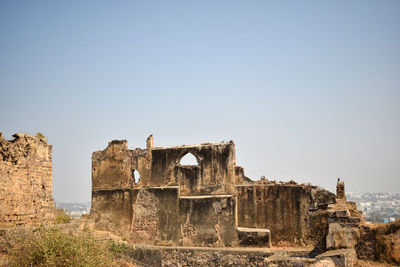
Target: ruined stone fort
211, 203
203, 213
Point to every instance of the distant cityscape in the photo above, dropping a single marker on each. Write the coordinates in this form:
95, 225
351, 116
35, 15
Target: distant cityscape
74, 209
376, 207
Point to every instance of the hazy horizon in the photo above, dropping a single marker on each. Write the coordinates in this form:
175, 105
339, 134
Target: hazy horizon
308, 91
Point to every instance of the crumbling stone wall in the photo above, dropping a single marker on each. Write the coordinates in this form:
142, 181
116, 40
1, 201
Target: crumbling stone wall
198, 205
156, 216
380, 242
283, 208
170, 200
208, 221
212, 203
213, 175
25, 180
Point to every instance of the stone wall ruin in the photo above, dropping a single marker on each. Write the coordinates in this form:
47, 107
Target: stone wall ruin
25, 180
211, 203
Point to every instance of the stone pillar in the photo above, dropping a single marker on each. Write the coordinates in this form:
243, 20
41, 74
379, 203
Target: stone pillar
149, 142
340, 193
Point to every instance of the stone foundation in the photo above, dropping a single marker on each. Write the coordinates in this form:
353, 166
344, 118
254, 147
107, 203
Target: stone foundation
178, 256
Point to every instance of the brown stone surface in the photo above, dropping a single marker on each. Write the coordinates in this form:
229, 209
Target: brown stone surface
115, 208
340, 236
340, 257
380, 242
284, 208
156, 218
208, 220
189, 256
364, 263
324, 263
254, 236
25, 180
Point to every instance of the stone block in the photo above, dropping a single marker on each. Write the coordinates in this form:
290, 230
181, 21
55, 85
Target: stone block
340, 236
254, 237
341, 257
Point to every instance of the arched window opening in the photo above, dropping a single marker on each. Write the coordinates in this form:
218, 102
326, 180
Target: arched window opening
188, 160
136, 176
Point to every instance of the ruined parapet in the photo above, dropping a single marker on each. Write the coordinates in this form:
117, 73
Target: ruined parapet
25, 180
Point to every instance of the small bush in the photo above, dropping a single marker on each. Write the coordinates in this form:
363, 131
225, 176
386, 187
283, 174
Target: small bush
39, 135
49, 246
85, 216
61, 217
116, 248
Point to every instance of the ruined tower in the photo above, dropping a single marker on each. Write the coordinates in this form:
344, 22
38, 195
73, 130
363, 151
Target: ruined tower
25, 180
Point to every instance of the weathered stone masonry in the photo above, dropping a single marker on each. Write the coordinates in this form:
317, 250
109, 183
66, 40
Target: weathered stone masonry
208, 204
25, 180
213, 204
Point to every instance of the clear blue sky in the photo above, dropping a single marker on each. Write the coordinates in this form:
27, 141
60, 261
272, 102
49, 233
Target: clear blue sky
308, 90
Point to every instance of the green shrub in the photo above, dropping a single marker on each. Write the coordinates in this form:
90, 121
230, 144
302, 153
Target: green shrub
61, 217
116, 248
49, 246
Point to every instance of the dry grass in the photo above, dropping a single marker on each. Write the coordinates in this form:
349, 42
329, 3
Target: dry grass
49, 246
61, 217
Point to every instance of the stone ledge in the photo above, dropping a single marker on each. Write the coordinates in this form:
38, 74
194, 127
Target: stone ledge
252, 230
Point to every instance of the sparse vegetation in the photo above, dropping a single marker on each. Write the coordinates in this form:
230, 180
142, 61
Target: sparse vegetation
39, 135
49, 246
85, 216
61, 217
